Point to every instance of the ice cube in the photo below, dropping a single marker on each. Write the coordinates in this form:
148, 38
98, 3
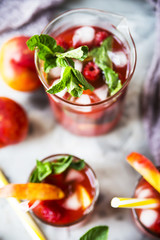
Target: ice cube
83, 35
72, 202
78, 65
55, 72
74, 175
119, 58
148, 217
102, 92
83, 99
145, 193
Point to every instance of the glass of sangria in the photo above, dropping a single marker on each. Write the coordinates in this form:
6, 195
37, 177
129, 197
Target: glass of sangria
94, 112
147, 220
80, 189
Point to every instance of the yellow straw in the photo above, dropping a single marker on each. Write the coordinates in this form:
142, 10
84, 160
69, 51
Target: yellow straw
26, 218
135, 203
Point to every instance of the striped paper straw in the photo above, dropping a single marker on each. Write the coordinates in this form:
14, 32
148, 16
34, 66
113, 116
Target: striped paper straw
26, 218
135, 203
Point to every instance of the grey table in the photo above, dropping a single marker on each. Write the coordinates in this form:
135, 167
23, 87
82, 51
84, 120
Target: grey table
106, 154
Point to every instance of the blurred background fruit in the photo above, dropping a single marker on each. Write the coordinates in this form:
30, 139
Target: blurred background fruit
17, 66
13, 122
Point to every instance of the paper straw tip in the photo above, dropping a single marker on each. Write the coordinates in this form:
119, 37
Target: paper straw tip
115, 202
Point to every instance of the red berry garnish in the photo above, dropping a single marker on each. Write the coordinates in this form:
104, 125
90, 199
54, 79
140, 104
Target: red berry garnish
48, 211
99, 37
62, 43
91, 71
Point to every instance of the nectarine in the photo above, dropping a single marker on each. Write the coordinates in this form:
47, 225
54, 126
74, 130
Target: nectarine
17, 66
13, 122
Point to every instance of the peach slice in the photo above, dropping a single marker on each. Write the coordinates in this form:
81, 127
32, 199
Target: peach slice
83, 196
146, 168
32, 191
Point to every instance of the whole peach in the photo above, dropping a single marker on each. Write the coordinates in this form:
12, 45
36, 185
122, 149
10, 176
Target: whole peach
13, 122
17, 66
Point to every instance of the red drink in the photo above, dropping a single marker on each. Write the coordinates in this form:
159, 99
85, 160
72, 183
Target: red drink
148, 220
81, 192
96, 112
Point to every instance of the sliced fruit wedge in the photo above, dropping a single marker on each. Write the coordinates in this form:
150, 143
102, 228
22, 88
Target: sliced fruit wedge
146, 168
83, 196
32, 191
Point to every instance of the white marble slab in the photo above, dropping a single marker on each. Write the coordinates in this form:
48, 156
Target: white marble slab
106, 154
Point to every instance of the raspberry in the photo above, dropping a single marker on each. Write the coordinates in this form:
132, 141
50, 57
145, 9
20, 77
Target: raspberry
99, 37
62, 43
91, 71
48, 211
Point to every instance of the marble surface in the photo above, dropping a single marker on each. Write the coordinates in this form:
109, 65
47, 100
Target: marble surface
106, 154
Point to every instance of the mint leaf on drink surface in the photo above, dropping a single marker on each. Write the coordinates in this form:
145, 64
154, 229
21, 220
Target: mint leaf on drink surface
44, 169
101, 58
112, 80
100, 54
73, 80
54, 56
96, 233
78, 165
61, 165
47, 46
79, 53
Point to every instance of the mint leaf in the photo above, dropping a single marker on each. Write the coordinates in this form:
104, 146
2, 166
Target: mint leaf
61, 165
73, 80
112, 80
34, 176
47, 46
73, 86
70, 61
49, 64
79, 53
53, 55
62, 83
96, 233
100, 54
82, 80
44, 169
101, 58
78, 165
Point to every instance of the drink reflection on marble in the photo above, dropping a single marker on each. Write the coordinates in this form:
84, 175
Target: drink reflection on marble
148, 220
97, 112
81, 191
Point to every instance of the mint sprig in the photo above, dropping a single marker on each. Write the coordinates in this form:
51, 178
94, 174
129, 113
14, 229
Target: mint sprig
96, 233
44, 169
101, 58
53, 55
73, 80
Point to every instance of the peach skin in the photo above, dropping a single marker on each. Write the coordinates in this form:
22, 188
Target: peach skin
17, 66
32, 191
146, 168
13, 122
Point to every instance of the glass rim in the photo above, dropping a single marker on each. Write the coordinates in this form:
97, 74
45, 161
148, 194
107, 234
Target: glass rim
90, 208
108, 99
135, 215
